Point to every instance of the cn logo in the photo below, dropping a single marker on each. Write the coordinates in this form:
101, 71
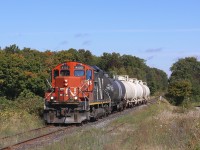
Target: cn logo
89, 82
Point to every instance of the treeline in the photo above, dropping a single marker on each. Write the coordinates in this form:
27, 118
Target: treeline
23, 72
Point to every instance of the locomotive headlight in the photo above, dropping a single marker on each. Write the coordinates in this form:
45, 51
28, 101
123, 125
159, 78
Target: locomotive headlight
75, 97
65, 82
52, 98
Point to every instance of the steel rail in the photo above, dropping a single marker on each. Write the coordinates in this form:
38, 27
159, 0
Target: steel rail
21, 133
35, 138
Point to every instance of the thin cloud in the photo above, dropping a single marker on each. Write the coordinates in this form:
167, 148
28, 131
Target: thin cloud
63, 42
18, 35
155, 50
86, 43
157, 30
150, 57
81, 35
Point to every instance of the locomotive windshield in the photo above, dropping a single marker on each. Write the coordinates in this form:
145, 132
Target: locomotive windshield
79, 73
64, 72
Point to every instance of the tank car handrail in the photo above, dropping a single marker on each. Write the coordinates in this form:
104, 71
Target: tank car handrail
144, 83
132, 80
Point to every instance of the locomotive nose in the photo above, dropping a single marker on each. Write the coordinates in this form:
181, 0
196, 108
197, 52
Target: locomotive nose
71, 89
64, 82
67, 88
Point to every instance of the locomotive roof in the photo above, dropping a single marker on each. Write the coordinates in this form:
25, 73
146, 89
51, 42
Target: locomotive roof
96, 68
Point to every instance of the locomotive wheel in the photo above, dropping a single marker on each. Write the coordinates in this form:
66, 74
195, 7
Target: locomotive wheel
79, 124
85, 121
107, 110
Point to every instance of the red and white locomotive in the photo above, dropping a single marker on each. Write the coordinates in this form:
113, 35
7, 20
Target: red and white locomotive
80, 92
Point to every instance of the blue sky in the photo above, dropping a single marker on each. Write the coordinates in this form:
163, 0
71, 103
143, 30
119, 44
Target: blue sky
159, 31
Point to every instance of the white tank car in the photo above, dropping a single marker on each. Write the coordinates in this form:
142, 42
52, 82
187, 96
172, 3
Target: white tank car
129, 87
134, 89
146, 91
139, 91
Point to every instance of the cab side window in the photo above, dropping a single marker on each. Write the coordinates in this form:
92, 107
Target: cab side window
55, 73
89, 75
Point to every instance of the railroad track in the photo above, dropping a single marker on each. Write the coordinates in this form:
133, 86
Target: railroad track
152, 101
27, 143
59, 131
21, 133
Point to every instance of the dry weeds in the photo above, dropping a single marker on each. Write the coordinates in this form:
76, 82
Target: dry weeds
158, 127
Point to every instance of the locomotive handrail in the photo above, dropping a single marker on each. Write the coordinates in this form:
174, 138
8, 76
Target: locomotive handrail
48, 83
48, 94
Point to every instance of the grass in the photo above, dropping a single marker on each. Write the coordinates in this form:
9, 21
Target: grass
159, 126
17, 121
16, 117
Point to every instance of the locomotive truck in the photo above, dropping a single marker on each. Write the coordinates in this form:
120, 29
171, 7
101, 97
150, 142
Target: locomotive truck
80, 92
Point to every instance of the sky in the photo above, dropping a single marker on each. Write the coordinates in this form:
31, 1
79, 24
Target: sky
158, 31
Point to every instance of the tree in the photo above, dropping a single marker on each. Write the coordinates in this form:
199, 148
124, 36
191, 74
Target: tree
12, 49
85, 56
185, 71
180, 90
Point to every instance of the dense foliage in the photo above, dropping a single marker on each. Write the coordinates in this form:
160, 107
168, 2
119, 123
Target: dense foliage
184, 83
25, 70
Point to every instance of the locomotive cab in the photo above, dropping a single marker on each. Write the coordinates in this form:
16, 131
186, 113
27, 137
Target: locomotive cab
71, 82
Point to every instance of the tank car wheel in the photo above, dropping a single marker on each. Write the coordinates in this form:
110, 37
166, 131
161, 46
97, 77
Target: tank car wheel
92, 119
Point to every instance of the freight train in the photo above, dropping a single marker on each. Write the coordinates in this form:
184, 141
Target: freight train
80, 92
